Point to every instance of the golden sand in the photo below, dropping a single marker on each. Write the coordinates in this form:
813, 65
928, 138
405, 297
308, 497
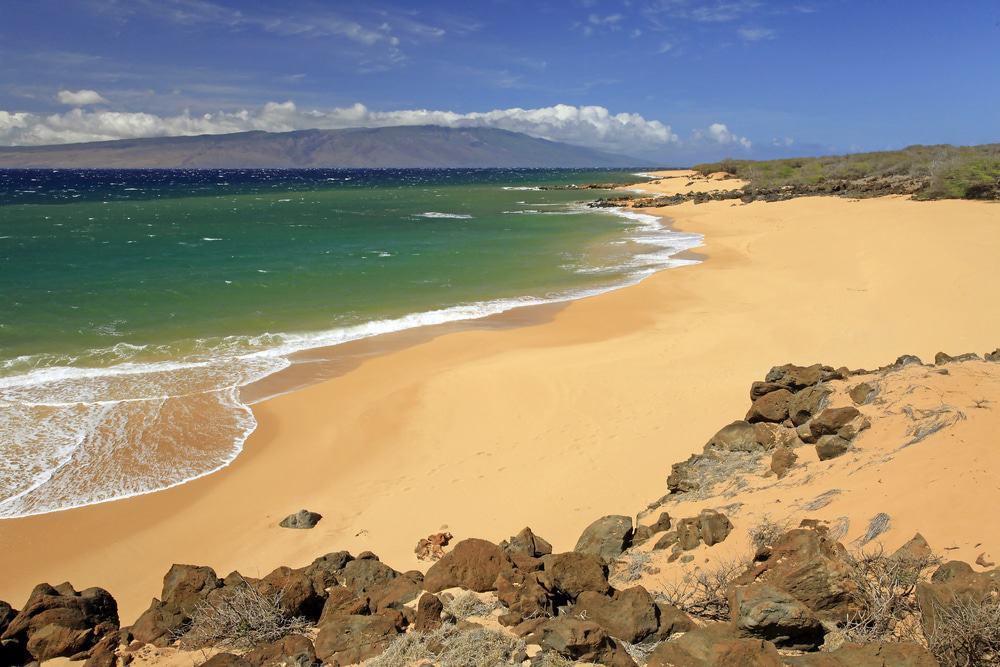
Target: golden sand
555, 424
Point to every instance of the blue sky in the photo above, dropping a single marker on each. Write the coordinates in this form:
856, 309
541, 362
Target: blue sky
669, 80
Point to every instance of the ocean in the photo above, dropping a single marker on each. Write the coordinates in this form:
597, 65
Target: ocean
136, 305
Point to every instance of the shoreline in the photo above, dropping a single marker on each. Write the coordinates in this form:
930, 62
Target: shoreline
609, 388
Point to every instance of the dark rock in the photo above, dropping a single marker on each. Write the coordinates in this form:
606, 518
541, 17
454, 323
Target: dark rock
184, 586
629, 615
341, 601
994, 355
364, 574
530, 597
772, 436
606, 538
346, 640
758, 389
324, 570
7, 614
225, 660
916, 549
671, 621
907, 360
662, 523
429, 611
158, 623
893, 654
864, 393
794, 377
771, 407
764, 612
573, 573
473, 564
683, 478
953, 582
103, 654
808, 402
714, 645
528, 544
831, 420
12, 652
299, 595
302, 519
60, 622
290, 651
715, 527
395, 593
668, 540
782, 461
583, 641
641, 535
810, 567
831, 446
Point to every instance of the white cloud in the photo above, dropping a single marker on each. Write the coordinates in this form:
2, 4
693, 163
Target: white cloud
79, 98
756, 34
585, 125
720, 134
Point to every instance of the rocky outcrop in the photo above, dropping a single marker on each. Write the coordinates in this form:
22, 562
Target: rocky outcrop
953, 582
606, 538
893, 654
583, 641
526, 543
763, 611
292, 650
573, 573
630, 615
708, 528
347, 640
303, 519
59, 622
714, 645
184, 586
429, 611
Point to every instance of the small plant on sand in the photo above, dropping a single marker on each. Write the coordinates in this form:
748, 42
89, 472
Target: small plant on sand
702, 592
240, 618
467, 604
884, 595
449, 646
632, 564
966, 632
766, 532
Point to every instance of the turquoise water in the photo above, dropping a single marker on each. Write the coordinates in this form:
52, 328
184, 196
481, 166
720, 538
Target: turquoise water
135, 305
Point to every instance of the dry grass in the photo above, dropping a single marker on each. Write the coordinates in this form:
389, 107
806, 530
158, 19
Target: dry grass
467, 604
967, 632
766, 532
885, 595
702, 592
631, 565
240, 618
876, 526
449, 646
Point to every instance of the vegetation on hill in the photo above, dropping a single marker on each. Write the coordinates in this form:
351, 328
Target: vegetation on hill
937, 172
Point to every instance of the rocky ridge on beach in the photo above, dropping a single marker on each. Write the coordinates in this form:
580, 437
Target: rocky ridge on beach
654, 589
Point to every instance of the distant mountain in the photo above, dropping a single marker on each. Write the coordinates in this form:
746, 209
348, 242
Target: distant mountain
405, 146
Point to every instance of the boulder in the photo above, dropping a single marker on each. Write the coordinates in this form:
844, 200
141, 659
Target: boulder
473, 564
61, 622
324, 570
943, 358
103, 654
808, 402
667, 541
526, 543
341, 601
573, 573
738, 436
346, 640
758, 389
764, 612
7, 614
893, 654
683, 478
671, 621
583, 641
782, 461
771, 407
906, 360
530, 597
994, 355
299, 595
831, 420
289, 651
606, 538
429, 610
811, 568
630, 615
795, 378
395, 593
714, 645
226, 660
831, 446
864, 393
364, 574
184, 586
916, 549
953, 581
303, 519
771, 436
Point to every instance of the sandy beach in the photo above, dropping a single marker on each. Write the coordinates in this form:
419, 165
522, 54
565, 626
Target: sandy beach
573, 415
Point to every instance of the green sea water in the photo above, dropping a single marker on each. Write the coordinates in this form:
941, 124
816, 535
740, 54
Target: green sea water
135, 305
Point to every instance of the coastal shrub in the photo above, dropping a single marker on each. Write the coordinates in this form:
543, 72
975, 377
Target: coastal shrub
885, 595
967, 632
240, 618
702, 592
449, 646
467, 604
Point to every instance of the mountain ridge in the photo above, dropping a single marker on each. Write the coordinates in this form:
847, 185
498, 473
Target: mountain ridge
413, 146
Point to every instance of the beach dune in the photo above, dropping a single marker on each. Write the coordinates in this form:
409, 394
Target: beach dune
577, 413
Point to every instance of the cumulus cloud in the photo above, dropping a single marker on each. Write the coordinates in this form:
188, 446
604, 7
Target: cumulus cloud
720, 134
78, 98
592, 126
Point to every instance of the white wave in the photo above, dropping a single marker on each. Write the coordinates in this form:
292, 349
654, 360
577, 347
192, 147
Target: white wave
437, 214
521, 187
209, 238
